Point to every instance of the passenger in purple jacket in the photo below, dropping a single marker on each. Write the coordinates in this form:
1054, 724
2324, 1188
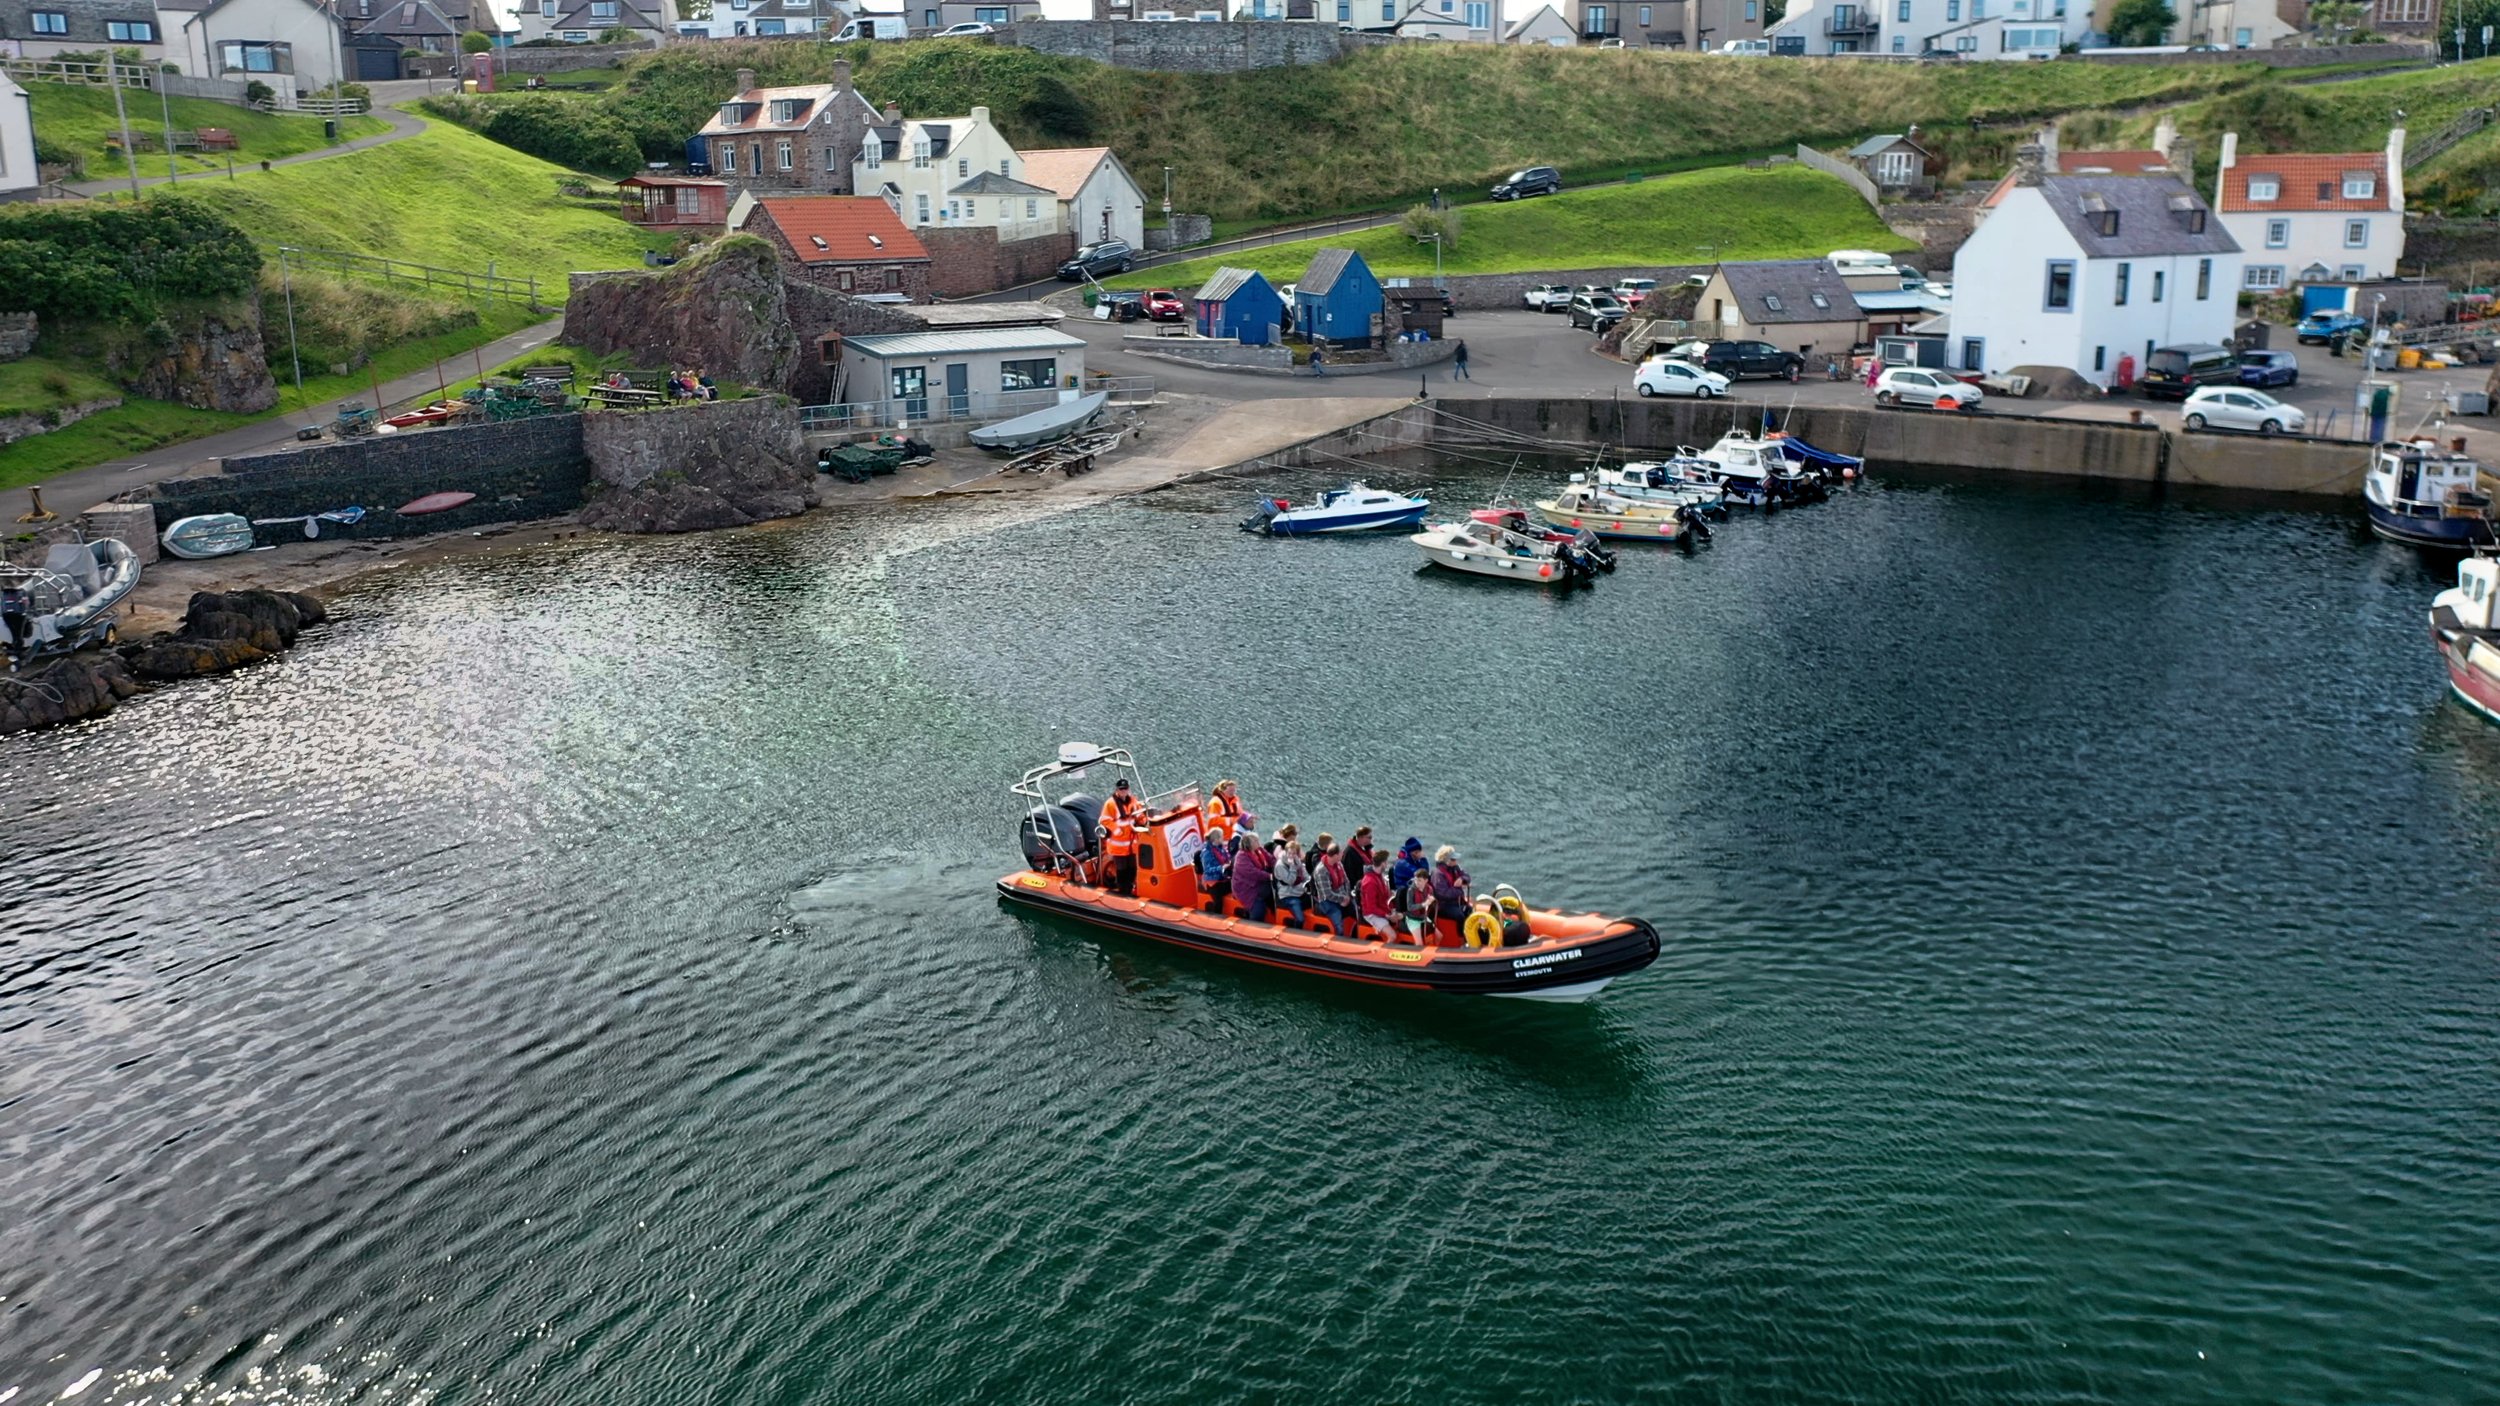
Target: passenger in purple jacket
1252, 875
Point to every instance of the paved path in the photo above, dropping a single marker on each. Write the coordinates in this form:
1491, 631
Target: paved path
74, 492
403, 124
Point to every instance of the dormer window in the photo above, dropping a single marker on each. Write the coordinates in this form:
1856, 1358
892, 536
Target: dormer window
2196, 220
737, 114
2264, 188
2107, 223
788, 109
2360, 185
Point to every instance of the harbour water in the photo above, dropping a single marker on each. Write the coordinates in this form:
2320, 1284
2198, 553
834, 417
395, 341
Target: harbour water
574, 976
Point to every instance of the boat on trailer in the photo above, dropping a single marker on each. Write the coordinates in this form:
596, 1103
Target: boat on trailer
1047, 425
66, 603
1357, 507
1565, 957
2465, 626
2424, 496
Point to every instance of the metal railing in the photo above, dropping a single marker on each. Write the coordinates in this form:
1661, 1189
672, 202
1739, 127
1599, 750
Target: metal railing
370, 266
1860, 22
937, 407
2472, 120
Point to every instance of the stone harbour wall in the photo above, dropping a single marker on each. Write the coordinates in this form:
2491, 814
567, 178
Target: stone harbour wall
518, 469
724, 463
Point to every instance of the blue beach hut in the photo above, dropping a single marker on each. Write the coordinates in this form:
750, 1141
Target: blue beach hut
1338, 299
1238, 303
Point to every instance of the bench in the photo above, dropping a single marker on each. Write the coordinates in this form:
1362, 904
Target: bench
560, 372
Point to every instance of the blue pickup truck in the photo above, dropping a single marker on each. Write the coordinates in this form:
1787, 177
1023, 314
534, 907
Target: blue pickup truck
2322, 327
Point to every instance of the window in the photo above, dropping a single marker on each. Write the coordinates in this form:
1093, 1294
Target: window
251, 56
2405, 11
1035, 375
830, 160
2243, 38
2359, 185
2351, 273
1772, 301
1479, 14
1819, 301
1966, 45
570, 36
131, 31
962, 167
2264, 188
1594, 19
1033, 209
2037, 40
1645, 17
51, 22
1974, 356
893, 279
1752, 9
546, 9
990, 16
1002, 168
2263, 276
2126, 275
603, 9
2278, 233
1901, 11
951, 207
1953, 11
842, 280
2158, 279
870, 152
2356, 234
2061, 290
781, 154
2204, 279
1388, 10
1900, 45
923, 206
920, 153
725, 158
2100, 358
1345, 11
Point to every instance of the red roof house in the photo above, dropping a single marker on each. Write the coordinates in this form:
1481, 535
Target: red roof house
849, 243
2314, 217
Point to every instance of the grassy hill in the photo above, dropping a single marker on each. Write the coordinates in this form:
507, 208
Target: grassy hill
1388, 124
1727, 212
77, 120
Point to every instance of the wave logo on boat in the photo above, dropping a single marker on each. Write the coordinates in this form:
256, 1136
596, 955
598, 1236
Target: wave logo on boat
1528, 964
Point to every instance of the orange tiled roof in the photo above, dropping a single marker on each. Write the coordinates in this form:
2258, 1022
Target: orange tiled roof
844, 229
1064, 170
2303, 177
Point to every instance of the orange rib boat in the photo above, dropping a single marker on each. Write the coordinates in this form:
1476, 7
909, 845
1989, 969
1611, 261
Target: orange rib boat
1568, 957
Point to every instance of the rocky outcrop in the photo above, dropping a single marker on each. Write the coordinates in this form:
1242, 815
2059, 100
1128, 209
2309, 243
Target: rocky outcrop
211, 361
63, 691
722, 311
723, 464
220, 631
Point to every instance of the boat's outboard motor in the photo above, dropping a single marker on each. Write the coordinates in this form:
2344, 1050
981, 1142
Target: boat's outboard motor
1048, 832
1085, 808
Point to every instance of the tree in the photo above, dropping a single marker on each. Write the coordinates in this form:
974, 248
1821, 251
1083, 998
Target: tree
694, 9
475, 42
2135, 23
1424, 223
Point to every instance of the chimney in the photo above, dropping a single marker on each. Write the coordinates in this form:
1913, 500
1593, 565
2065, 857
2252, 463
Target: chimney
2028, 164
2177, 152
893, 113
2396, 168
980, 114
842, 75
746, 80
2048, 148
2229, 158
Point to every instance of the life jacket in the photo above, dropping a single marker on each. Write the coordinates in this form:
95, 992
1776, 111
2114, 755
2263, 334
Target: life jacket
1221, 815
1119, 828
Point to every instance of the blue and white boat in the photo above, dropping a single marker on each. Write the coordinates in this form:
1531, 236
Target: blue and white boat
2422, 495
1830, 463
1357, 507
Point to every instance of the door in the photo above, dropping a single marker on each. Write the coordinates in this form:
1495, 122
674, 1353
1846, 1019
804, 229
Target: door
1974, 356
958, 390
911, 387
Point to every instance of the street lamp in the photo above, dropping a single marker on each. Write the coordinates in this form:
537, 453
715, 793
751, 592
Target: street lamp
1167, 196
1434, 239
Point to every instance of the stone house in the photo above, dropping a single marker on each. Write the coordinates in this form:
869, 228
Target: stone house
39, 29
846, 243
1098, 198
1799, 305
804, 138
2314, 218
294, 46
19, 179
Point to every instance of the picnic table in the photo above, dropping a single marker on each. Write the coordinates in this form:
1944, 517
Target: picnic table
625, 397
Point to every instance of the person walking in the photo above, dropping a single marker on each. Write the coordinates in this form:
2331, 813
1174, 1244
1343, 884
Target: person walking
1458, 362
1317, 356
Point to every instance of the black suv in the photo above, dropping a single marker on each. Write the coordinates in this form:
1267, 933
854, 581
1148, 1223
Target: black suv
1596, 311
1535, 180
1095, 260
1738, 359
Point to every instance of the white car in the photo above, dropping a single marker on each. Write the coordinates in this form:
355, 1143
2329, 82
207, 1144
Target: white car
1908, 385
1662, 376
1546, 297
1634, 291
2240, 408
968, 29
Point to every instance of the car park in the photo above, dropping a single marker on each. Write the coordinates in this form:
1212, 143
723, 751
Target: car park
2240, 408
2319, 328
1665, 376
1737, 360
1911, 385
2175, 373
967, 30
2269, 368
1546, 297
1596, 311
1527, 181
1108, 256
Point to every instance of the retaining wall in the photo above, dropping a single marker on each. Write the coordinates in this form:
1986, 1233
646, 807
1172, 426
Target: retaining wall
519, 469
1233, 47
564, 58
1184, 231
2389, 54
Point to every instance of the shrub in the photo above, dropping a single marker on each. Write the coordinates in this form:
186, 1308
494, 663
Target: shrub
616, 34
476, 42
572, 134
2134, 22
259, 94
121, 261
1424, 223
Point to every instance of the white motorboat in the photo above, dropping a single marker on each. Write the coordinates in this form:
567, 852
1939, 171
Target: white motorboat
1676, 481
1483, 548
1591, 509
1758, 471
1357, 507
68, 601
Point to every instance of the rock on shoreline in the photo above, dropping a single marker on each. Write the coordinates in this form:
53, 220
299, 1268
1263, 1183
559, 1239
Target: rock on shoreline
221, 631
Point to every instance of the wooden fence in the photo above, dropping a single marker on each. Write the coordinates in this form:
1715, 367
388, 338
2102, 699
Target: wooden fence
466, 282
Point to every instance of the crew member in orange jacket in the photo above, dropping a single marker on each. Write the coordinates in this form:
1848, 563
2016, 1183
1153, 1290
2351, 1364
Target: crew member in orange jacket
1223, 811
1120, 817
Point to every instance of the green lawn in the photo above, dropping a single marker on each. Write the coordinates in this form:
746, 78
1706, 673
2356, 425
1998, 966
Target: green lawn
80, 118
138, 425
36, 384
1728, 212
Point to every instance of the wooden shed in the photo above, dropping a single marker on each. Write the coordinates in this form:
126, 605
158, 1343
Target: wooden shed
1413, 309
1238, 303
674, 200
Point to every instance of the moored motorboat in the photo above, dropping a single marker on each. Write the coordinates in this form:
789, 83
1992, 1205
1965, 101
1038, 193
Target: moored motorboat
1357, 507
1484, 546
1829, 464
1666, 481
2462, 627
1551, 956
208, 535
1584, 506
2419, 494
68, 601
1757, 471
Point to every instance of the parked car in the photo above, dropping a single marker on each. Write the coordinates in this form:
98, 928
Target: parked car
1527, 181
2269, 368
1125, 307
1107, 256
2319, 328
1634, 291
1596, 311
2239, 408
1909, 385
1737, 360
1610, 43
1546, 297
968, 29
1692, 351
1663, 376
1164, 305
2174, 373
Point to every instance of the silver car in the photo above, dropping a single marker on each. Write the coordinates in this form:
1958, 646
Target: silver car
2240, 408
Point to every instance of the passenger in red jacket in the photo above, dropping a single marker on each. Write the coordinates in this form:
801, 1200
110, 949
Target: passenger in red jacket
1371, 899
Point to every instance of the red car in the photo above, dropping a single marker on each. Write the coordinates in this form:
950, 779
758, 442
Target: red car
1164, 305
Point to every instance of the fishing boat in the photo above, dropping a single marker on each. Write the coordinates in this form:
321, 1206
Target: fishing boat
2462, 626
2417, 493
1826, 463
1357, 507
1513, 516
1484, 547
1548, 955
1678, 481
1051, 422
208, 535
1589, 508
68, 601
1758, 471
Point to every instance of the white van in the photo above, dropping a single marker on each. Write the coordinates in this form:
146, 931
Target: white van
1850, 263
1748, 48
874, 27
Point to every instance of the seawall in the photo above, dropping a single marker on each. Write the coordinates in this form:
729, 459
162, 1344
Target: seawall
519, 469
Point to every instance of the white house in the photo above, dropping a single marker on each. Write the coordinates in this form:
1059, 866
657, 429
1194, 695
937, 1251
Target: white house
1448, 19
764, 19
2085, 272
1547, 26
1098, 198
291, 45
2306, 218
583, 21
2233, 24
1973, 29
18, 179
949, 171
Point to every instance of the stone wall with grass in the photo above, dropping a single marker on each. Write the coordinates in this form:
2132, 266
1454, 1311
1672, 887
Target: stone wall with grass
519, 469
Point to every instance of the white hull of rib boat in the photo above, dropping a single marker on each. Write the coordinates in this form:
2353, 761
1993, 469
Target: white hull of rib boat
1572, 994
